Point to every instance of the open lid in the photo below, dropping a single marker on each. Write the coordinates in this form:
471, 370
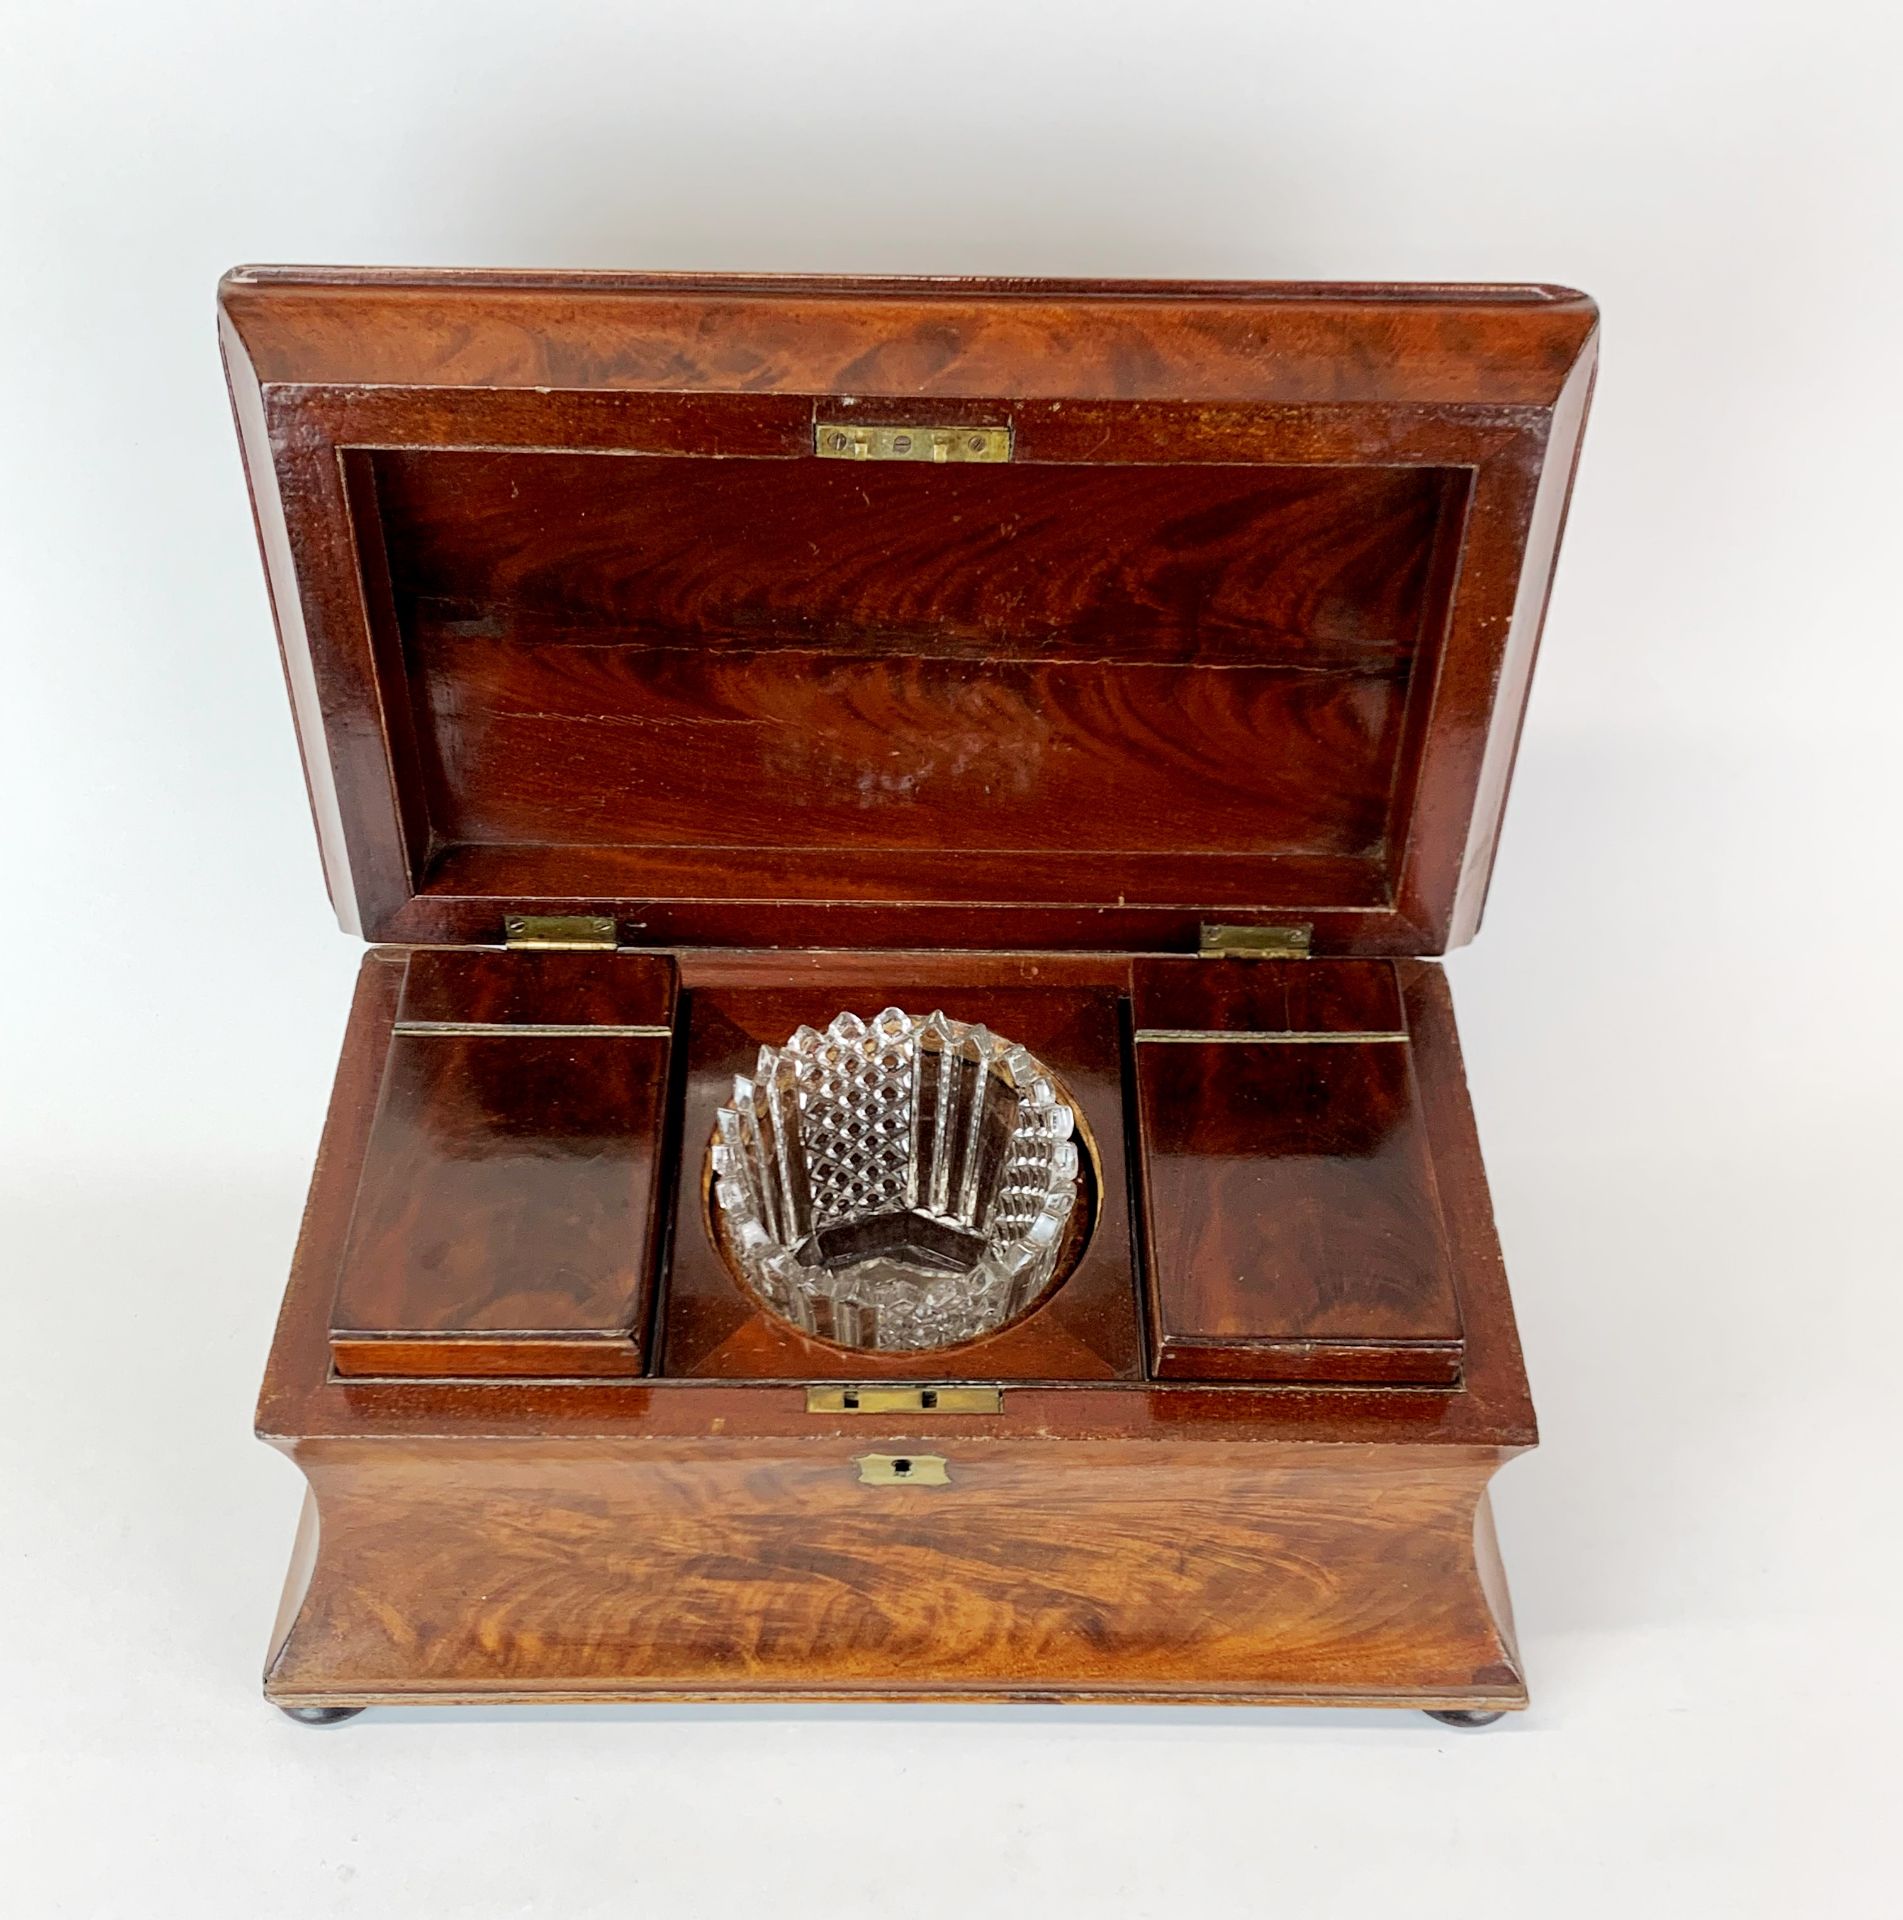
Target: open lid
785, 612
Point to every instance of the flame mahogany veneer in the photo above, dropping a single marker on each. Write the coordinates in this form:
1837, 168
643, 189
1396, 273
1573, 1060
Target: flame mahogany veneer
576, 623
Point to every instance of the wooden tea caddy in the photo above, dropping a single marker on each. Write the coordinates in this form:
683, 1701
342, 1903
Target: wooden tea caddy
1135, 668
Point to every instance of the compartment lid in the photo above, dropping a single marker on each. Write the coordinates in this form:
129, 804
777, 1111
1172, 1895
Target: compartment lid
924, 613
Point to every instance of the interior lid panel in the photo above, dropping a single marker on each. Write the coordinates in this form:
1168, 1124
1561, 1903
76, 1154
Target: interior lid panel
803, 658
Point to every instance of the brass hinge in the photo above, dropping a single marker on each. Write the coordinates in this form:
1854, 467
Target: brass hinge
1255, 943
847, 440
559, 932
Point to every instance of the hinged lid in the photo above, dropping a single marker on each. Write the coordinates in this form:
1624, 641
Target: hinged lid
922, 613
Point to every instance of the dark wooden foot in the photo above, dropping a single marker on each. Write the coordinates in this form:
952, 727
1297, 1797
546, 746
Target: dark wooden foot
319, 1716
1460, 1717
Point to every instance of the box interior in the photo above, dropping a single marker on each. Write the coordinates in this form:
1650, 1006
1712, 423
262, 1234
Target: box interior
1261, 1203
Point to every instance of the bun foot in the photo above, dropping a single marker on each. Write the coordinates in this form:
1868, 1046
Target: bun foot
1460, 1717
319, 1716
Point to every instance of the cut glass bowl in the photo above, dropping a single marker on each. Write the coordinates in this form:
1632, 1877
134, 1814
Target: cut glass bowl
896, 1184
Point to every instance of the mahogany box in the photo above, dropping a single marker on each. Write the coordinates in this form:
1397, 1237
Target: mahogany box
1133, 669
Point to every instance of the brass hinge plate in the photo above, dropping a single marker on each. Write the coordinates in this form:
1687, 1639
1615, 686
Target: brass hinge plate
942, 446
1255, 943
559, 932
904, 1399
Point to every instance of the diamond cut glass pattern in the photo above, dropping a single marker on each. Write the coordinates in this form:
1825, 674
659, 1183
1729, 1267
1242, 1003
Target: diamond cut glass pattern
896, 1184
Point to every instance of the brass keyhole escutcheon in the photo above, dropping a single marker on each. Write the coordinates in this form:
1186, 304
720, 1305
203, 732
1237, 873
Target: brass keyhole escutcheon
902, 1470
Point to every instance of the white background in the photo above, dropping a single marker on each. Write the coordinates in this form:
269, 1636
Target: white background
1682, 1018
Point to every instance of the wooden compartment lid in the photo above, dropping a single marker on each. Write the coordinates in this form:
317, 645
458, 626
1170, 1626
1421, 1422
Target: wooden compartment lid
508, 1218
644, 596
1294, 1222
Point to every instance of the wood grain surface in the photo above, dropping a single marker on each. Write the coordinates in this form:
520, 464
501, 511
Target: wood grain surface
506, 1218
716, 1569
710, 1538
1265, 996
1213, 564
1294, 1230
748, 654
573, 618
1293, 1223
